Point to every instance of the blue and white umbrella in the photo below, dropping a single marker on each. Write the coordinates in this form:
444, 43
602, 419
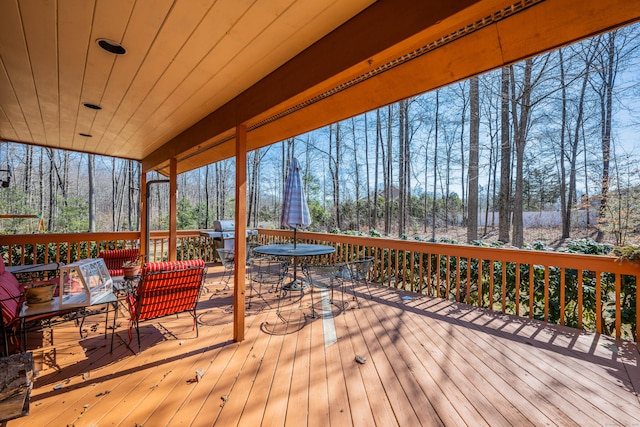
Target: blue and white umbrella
295, 211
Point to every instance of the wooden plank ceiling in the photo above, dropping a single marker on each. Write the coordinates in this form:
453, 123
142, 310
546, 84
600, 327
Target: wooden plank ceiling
195, 69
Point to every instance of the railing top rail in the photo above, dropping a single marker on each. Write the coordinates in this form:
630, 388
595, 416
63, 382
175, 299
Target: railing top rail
545, 258
42, 238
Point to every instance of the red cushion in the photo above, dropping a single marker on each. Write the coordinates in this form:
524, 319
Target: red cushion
171, 265
167, 288
114, 258
9, 297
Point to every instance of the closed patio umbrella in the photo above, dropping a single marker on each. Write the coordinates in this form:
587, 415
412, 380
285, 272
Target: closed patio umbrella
295, 211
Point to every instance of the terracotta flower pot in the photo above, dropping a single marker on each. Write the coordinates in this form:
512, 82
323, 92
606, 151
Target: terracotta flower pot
131, 271
40, 293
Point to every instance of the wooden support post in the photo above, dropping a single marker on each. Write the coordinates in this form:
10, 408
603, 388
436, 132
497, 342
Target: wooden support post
240, 244
144, 250
173, 208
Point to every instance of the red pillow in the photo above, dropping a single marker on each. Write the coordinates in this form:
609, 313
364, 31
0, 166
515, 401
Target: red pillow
9, 297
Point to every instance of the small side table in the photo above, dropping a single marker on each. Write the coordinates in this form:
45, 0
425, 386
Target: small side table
123, 286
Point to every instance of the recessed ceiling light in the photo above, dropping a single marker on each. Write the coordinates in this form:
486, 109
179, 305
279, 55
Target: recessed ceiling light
92, 106
86, 135
111, 46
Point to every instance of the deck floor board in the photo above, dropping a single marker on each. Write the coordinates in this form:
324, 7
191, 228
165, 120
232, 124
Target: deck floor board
428, 362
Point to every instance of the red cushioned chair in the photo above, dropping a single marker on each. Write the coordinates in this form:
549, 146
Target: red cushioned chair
166, 288
114, 258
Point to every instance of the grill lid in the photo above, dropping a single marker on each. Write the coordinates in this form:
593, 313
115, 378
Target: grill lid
224, 225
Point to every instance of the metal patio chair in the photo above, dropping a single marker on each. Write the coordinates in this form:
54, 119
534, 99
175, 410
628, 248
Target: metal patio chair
357, 272
226, 258
326, 276
265, 271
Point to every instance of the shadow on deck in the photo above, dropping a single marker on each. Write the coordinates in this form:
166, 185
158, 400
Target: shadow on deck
421, 361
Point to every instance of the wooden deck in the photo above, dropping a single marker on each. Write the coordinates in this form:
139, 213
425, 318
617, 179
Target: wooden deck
428, 362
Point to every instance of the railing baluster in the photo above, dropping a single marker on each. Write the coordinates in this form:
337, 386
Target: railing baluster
531, 289
598, 303
457, 262
447, 277
562, 294
517, 290
492, 273
395, 267
468, 285
579, 290
505, 266
546, 293
618, 308
480, 291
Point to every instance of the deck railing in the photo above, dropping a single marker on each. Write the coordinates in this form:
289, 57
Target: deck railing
590, 292
70, 247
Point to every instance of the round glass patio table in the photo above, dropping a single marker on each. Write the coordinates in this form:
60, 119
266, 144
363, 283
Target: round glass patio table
288, 249
291, 250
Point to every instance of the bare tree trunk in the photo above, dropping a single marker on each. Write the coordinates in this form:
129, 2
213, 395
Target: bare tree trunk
41, 184
572, 196
402, 108
334, 169
206, 196
65, 174
606, 101
27, 172
389, 175
566, 217
505, 163
379, 152
474, 154
463, 190
520, 126
254, 192
407, 168
366, 167
426, 195
447, 181
357, 174
52, 190
435, 170
114, 191
92, 196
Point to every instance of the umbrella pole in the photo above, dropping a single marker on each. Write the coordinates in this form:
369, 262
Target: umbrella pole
295, 259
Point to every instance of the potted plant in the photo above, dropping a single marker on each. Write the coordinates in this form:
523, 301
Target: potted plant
131, 268
40, 292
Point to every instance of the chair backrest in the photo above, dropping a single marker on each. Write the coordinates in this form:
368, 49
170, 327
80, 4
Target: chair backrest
226, 257
359, 269
167, 288
323, 275
10, 297
266, 270
250, 247
114, 258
